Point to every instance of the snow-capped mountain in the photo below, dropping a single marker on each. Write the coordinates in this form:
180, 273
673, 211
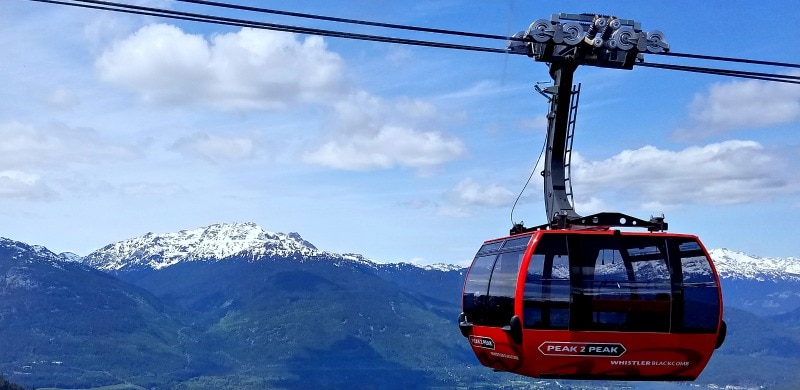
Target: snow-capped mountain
20, 250
250, 241
16, 249
760, 285
214, 242
220, 242
741, 266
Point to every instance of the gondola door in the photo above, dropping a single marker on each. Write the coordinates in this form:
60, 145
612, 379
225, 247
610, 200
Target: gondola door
489, 303
545, 307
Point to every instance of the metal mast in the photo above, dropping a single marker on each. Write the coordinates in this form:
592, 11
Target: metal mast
558, 205
565, 42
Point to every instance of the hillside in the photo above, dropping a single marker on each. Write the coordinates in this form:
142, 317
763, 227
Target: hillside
306, 318
272, 320
765, 353
236, 306
58, 317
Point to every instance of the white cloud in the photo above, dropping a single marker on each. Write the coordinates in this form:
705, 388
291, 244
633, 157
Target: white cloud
470, 193
590, 205
151, 189
399, 55
538, 122
218, 148
729, 172
389, 147
742, 105
481, 89
372, 133
37, 160
447, 210
18, 184
362, 113
62, 98
417, 204
247, 70
257, 69
25, 146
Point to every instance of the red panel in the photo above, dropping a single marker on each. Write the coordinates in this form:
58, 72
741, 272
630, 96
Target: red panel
595, 355
615, 354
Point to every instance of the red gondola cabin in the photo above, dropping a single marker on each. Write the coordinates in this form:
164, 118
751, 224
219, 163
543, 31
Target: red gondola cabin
593, 305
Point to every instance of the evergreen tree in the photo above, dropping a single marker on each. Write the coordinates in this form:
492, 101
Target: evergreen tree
6, 385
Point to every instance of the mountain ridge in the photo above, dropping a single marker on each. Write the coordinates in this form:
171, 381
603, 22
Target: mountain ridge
218, 241
732, 264
248, 240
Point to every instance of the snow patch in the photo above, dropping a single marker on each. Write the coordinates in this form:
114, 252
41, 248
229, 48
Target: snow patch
738, 265
214, 242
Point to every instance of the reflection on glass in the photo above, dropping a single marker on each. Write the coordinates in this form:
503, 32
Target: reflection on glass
547, 285
700, 294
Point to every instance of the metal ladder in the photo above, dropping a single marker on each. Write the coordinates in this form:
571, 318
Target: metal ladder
573, 114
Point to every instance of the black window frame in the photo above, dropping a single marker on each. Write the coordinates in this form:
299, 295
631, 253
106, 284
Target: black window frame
646, 292
496, 307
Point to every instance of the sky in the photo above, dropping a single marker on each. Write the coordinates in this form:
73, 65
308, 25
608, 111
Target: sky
116, 125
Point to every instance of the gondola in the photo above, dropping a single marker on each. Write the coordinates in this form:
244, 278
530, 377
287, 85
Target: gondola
594, 304
590, 297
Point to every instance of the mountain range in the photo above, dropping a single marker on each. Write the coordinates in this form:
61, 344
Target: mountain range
248, 240
236, 306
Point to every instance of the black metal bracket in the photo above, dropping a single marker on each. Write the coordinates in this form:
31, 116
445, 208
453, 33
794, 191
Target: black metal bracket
596, 221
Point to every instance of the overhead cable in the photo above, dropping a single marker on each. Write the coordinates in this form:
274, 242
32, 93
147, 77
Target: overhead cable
205, 18
159, 12
731, 59
349, 21
455, 32
726, 72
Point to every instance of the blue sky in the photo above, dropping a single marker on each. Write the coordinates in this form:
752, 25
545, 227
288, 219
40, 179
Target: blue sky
116, 125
